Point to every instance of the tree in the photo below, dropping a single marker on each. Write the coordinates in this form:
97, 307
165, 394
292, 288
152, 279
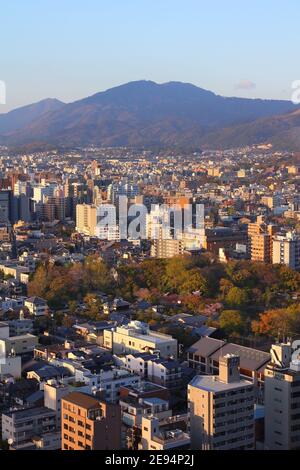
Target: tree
237, 297
193, 282
39, 284
231, 321
96, 274
72, 305
94, 306
272, 323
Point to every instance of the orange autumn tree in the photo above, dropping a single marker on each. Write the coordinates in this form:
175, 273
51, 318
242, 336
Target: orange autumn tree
273, 322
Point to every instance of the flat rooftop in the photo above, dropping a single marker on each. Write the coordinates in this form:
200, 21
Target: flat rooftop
28, 413
82, 400
213, 384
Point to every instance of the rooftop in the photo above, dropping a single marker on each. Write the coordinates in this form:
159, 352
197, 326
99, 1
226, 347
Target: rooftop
82, 400
213, 384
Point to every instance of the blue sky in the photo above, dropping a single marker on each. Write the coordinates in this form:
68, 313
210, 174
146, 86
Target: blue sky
69, 49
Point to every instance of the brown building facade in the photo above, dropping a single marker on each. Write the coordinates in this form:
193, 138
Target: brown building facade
89, 424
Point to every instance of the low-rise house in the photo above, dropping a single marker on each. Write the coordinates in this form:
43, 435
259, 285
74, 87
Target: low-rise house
18, 345
165, 372
137, 337
37, 307
159, 436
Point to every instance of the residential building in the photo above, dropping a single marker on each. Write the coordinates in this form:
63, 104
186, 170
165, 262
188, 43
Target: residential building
204, 356
37, 307
158, 436
86, 219
20, 426
89, 424
165, 372
260, 240
286, 250
137, 337
282, 400
54, 392
222, 409
18, 344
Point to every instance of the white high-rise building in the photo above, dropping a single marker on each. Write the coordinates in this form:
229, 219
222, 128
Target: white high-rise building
286, 250
282, 400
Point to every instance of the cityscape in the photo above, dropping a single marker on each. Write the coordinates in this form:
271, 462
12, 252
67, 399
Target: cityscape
150, 269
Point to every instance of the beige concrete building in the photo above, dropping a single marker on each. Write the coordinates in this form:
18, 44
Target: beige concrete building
137, 338
260, 240
157, 436
222, 409
164, 249
86, 219
286, 250
53, 394
282, 400
18, 344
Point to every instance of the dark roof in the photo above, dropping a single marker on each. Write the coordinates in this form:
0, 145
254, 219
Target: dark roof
36, 301
206, 346
83, 400
168, 364
49, 371
250, 359
35, 397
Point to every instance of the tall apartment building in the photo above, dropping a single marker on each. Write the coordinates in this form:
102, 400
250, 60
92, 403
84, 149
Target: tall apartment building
222, 409
282, 400
54, 392
260, 240
286, 250
7, 209
137, 337
164, 248
86, 219
53, 209
89, 424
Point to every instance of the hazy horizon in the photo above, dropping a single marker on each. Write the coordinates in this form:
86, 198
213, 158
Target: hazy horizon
69, 50
122, 84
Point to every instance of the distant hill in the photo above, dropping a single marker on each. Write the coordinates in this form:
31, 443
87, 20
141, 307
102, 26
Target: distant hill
146, 114
283, 131
21, 117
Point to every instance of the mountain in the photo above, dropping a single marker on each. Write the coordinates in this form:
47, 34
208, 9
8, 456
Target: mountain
282, 131
144, 114
21, 117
